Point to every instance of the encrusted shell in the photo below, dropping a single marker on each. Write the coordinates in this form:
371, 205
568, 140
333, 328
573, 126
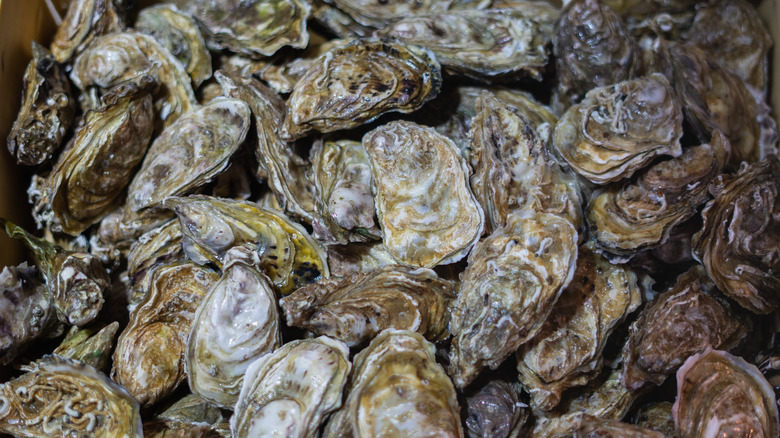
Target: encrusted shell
84, 22
495, 411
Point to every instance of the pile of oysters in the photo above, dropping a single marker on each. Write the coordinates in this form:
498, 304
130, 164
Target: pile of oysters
427, 218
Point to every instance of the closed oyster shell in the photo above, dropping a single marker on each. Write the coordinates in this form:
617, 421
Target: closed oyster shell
395, 387
84, 22
658, 417
425, 207
738, 244
190, 152
541, 11
291, 391
354, 258
149, 357
157, 246
377, 14
684, 320
495, 412
592, 427
511, 283
356, 308
283, 77
619, 129
235, 324
89, 345
64, 397
167, 428
353, 85
47, 110
722, 395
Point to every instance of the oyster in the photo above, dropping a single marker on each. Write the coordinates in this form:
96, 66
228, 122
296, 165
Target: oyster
377, 14
85, 21
395, 387
657, 416
166, 428
354, 258
89, 345
190, 152
567, 351
425, 207
211, 226
64, 397
283, 77
355, 309
157, 246
495, 412
47, 110
642, 8
149, 356
353, 85
619, 129
739, 241
592, 427
235, 324
684, 320
488, 43
722, 395
511, 283
337, 22
193, 409
179, 33
291, 391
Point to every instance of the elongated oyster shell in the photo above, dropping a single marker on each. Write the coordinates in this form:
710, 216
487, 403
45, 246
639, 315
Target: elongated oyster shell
89, 345
684, 320
722, 395
567, 351
495, 412
353, 85
377, 14
47, 110
64, 397
425, 207
190, 152
291, 391
157, 246
84, 22
355, 309
511, 283
235, 324
396, 387
739, 241
618, 129
211, 226
481, 43
193, 409
149, 356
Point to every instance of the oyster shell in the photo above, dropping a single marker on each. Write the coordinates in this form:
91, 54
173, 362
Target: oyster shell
495, 412
149, 356
619, 129
395, 387
64, 397
353, 85
657, 416
283, 77
722, 395
89, 345
355, 309
338, 22
592, 427
157, 246
425, 207
684, 320
166, 428
290, 392
47, 110
377, 14
642, 8
511, 283
738, 244
235, 324
542, 12
355, 258
193, 409
84, 22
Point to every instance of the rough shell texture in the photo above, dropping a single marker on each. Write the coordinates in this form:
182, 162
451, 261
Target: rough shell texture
355, 258
159, 245
282, 76
592, 427
374, 14
85, 21
89, 345
658, 417
495, 411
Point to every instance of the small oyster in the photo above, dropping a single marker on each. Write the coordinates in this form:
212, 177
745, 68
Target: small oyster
291, 391
85, 21
157, 246
167, 428
64, 397
395, 387
193, 409
355, 309
190, 152
89, 345
684, 320
495, 412
47, 110
283, 77
488, 43
149, 356
739, 241
592, 427
511, 283
657, 416
337, 22
178, 32
722, 395
354, 258
211, 226
376, 14
425, 207
353, 85
619, 129
235, 324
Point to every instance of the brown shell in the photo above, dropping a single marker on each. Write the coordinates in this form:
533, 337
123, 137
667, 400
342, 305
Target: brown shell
85, 21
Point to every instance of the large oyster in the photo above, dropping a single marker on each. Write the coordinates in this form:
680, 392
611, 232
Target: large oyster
64, 397
513, 279
353, 85
85, 21
619, 129
356, 308
684, 320
47, 110
395, 387
235, 324
211, 226
495, 412
291, 391
149, 356
740, 239
425, 207
722, 395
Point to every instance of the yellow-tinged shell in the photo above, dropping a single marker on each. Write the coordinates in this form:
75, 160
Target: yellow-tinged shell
85, 21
